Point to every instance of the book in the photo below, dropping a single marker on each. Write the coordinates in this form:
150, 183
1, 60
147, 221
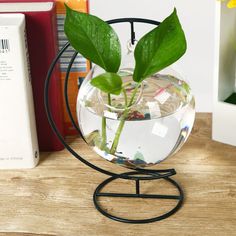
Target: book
80, 67
43, 46
18, 137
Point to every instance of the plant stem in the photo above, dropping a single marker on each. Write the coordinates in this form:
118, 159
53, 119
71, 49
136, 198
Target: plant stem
133, 95
109, 99
118, 132
125, 96
104, 134
104, 124
122, 121
126, 84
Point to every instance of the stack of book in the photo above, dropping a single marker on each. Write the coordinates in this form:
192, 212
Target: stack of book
38, 24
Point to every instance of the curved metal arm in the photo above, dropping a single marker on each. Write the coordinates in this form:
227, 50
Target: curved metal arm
153, 174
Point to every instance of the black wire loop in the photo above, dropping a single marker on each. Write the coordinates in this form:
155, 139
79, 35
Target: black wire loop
150, 174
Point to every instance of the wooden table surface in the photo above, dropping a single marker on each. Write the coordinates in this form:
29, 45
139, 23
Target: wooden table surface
56, 197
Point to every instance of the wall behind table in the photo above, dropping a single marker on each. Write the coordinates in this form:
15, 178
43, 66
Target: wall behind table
197, 18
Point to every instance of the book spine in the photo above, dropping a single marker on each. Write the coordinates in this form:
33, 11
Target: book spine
56, 104
80, 67
18, 137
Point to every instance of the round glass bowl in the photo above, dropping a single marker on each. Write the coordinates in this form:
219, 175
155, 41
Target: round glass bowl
155, 125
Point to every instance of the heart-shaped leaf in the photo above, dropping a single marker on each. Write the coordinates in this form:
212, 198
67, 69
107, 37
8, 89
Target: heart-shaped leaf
108, 83
94, 39
159, 48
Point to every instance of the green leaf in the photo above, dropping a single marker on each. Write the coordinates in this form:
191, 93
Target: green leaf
159, 48
94, 39
108, 83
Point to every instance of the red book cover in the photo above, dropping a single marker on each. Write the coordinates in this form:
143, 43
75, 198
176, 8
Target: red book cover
43, 47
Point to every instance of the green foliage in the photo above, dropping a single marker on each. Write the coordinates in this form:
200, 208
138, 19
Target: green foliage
94, 39
108, 83
97, 41
159, 48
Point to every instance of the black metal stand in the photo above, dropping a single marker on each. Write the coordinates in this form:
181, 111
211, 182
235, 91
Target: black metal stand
98, 193
139, 174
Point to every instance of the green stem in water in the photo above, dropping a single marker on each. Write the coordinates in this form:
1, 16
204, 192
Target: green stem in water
118, 132
104, 133
104, 124
133, 96
109, 99
125, 96
122, 122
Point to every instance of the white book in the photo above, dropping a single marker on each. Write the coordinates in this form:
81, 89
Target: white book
18, 137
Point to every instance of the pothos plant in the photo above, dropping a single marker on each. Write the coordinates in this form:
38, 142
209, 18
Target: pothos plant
97, 41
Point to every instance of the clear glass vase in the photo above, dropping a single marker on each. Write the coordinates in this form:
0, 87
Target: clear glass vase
145, 133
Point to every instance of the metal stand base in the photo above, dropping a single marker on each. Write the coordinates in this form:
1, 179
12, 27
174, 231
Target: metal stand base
153, 175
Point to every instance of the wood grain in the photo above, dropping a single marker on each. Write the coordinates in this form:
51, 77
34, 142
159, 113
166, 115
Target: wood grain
56, 197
